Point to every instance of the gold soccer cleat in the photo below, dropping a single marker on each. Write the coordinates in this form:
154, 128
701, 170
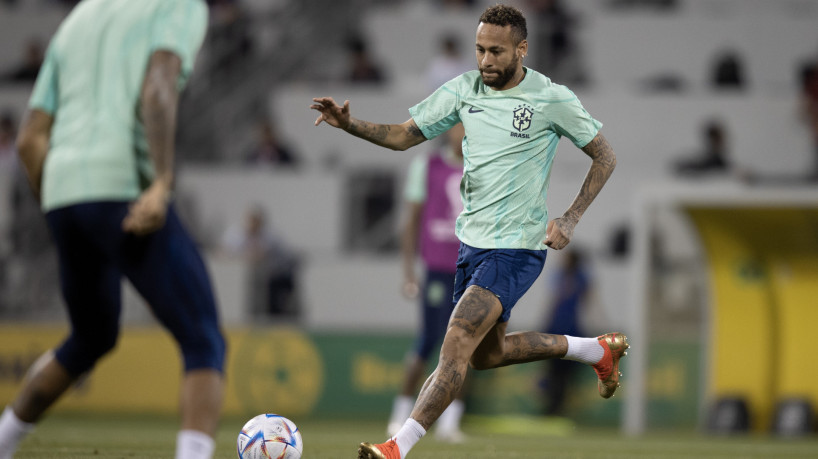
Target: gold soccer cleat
388, 450
607, 369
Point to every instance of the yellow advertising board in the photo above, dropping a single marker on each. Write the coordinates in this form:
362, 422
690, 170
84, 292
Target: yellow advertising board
277, 368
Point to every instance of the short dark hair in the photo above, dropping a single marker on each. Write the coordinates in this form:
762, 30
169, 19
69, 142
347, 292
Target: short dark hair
505, 15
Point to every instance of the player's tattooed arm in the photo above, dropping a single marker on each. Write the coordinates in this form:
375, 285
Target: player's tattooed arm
393, 136
603, 161
602, 166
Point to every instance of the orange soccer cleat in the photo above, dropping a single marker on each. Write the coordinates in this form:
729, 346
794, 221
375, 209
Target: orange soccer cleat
607, 369
388, 450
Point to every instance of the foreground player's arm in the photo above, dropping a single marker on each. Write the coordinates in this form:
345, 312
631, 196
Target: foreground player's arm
32, 145
409, 247
394, 136
159, 106
560, 230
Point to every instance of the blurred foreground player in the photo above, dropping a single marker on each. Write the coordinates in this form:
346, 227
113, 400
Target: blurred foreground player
98, 146
514, 117
433, 204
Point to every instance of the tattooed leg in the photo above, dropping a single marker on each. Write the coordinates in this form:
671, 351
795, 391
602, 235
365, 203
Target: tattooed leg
475, 314
522, 347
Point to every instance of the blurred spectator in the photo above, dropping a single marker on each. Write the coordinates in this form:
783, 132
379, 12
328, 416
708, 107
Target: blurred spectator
714, 155
272, 265
651, 4
362, 68
456, 4
557, 53
571, 285
809, 102
269, 150
229, 43
29, 67
728, 71
448, 63
8, 134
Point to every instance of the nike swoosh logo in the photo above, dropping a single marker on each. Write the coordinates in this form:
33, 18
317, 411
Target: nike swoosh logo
474, 110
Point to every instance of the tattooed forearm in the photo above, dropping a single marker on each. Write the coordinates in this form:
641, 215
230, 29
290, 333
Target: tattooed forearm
604, 162
393, 136
375, 133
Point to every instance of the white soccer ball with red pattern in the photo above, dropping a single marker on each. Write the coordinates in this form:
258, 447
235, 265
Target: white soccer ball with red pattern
269, 436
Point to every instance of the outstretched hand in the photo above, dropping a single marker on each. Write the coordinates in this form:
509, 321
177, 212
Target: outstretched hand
332, 113
558, 233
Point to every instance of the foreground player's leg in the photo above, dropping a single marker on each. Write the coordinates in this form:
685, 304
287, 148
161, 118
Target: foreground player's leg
46, 381
405, 401
602, 353
475, 314
201, 401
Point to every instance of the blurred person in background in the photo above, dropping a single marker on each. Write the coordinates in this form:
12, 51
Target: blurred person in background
433, 204
447, 64
513, 118
29, 65
558, 52
571, 287
269, 150
8, 135
97, 145
809, 107
362, 67
272, 265
713, 157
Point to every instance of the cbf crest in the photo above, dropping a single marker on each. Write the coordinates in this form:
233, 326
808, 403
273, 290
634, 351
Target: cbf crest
522, 117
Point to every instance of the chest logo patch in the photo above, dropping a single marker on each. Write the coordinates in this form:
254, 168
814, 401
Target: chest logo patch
522, 117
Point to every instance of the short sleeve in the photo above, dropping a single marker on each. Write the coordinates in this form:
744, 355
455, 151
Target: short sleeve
415, 190
571, 120
45, 95
180, 27
438, 112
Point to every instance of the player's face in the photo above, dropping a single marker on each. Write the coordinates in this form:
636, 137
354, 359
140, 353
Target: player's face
498, 58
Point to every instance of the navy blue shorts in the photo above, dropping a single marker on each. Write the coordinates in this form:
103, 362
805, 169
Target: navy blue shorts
507, 273
438, 290
165, 268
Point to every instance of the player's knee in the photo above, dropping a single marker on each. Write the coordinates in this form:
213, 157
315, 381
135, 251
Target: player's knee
79, 353
204, 351
485, 361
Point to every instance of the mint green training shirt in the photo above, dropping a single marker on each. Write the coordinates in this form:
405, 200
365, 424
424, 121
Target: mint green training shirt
511, 139
91, 81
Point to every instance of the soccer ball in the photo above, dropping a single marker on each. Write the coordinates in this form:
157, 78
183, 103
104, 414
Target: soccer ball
269, 436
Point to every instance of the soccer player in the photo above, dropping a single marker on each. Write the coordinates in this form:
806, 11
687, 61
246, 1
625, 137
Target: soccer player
513, 117
433, 203
98, 146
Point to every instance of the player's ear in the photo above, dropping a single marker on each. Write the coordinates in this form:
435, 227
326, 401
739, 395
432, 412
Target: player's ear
522, 49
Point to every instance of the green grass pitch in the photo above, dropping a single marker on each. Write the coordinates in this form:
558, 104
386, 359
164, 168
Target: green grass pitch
97, 436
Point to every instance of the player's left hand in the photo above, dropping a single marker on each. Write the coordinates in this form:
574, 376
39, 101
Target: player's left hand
558, 233
147, 214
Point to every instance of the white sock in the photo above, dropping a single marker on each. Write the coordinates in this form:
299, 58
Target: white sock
192, 444
12, 432
401, 409
449, 420
585, 350
408, 435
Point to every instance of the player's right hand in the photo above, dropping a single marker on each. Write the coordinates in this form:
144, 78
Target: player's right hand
147, 214
332, 113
